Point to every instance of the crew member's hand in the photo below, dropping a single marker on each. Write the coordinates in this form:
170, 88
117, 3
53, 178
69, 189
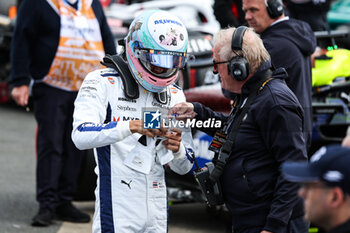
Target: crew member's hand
266, 231
20, 95
346, 140
182, 111
136, 126
174, 139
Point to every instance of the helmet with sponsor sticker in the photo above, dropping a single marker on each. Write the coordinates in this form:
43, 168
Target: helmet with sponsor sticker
156, 47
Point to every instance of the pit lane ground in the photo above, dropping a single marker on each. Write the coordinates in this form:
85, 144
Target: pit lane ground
17, 186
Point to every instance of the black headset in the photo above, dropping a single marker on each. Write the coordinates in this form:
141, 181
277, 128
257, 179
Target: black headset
274, 8
238, 66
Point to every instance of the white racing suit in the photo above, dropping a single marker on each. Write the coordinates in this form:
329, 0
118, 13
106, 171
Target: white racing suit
126, 200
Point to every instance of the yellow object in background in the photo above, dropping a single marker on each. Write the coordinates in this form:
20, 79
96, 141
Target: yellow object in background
326, 71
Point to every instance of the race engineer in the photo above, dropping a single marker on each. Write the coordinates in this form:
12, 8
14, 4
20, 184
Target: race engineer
131, 192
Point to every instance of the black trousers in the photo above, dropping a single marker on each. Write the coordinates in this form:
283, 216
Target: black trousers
58, 160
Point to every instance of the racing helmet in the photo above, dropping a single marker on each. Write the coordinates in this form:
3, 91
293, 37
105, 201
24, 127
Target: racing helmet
155, 48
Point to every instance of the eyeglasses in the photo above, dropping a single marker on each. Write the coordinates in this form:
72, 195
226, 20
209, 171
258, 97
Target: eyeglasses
216, 63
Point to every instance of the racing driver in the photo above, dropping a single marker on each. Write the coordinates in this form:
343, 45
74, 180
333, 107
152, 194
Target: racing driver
131, 193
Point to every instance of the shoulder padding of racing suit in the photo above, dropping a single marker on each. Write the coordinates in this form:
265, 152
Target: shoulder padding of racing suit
131, 89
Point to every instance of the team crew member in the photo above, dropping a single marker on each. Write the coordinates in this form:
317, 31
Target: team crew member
325, 187
131, 192
290, 43
271, 132
55, 43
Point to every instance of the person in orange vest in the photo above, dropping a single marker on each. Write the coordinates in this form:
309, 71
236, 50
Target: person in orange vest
55, 44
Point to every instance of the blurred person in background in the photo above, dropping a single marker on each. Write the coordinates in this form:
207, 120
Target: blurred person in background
290, 43
55, 44
325, 187
314, 12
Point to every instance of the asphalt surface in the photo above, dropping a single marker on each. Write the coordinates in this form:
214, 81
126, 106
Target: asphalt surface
17, 186
17, 172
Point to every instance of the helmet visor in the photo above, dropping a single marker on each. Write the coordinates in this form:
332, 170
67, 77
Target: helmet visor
164, 59
157, 71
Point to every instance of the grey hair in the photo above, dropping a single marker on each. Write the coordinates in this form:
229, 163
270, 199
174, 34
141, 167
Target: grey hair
252, 47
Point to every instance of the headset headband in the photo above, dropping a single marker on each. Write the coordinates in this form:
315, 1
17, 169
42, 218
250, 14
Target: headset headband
237, 38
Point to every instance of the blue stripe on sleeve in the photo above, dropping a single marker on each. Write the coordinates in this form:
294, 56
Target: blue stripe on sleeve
96, 127
109, 74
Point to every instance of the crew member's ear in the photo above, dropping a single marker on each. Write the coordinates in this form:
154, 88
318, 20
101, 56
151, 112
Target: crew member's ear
337, 197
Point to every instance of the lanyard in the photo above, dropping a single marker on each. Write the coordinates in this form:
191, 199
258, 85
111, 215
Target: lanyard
222, 151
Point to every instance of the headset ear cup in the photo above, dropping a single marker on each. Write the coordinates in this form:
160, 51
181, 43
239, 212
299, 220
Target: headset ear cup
274, 8
238, 68
268, 8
